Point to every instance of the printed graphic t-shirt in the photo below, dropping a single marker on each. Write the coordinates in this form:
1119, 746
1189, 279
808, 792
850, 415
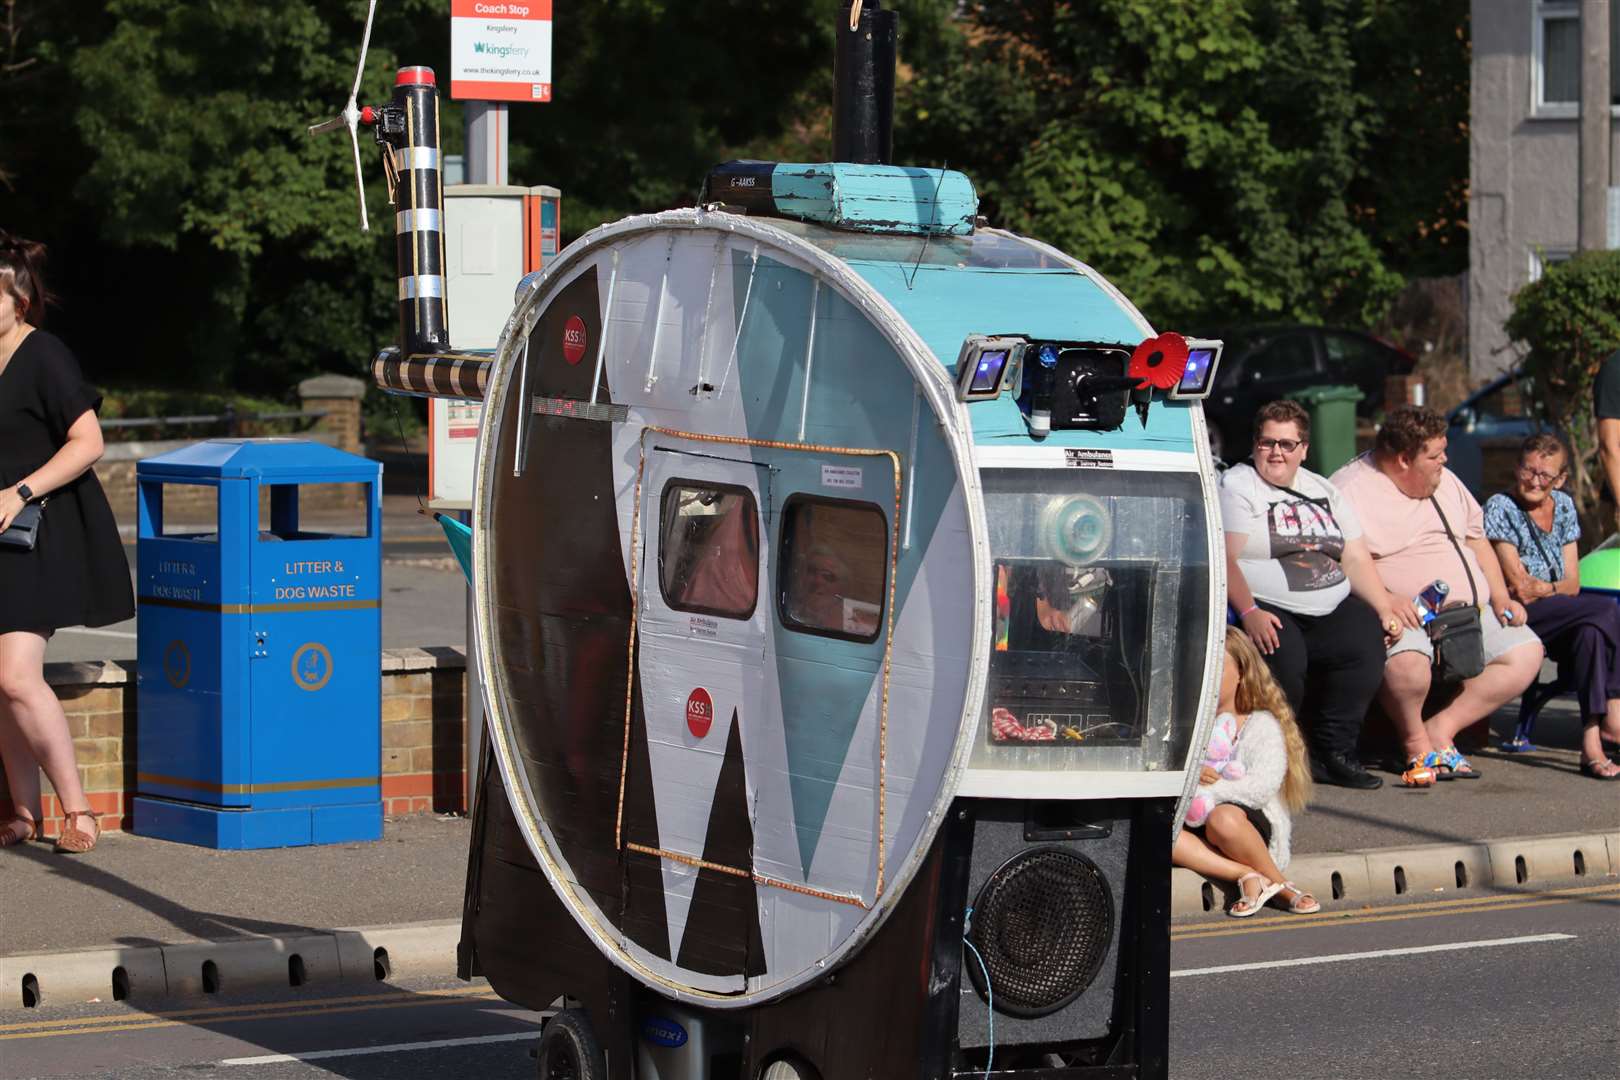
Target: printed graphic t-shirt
1293, 547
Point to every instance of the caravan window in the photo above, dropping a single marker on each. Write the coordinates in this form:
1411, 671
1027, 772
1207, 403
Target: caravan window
708, 549
835, 559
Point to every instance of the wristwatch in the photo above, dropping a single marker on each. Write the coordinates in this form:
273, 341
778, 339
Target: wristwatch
25, 493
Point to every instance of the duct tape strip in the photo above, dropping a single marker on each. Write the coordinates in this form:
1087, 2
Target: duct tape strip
417, 286
417, 157
418, 221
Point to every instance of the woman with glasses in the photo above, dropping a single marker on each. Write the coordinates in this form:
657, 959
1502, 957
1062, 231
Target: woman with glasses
1301, 581
1534, 530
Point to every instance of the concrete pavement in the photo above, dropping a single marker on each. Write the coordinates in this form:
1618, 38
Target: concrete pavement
163, 912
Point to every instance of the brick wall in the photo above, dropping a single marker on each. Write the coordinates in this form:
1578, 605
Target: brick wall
337, 396
423, 710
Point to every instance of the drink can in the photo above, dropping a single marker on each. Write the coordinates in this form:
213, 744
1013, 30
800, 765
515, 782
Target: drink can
1432, 599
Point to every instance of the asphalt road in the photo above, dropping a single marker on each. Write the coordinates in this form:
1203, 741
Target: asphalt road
424, 603
1484, 987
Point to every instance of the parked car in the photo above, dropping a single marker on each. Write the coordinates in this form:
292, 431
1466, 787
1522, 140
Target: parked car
1264, 363
1484, 432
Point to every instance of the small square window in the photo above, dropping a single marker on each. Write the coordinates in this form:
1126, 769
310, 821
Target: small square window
835, 567
708, 549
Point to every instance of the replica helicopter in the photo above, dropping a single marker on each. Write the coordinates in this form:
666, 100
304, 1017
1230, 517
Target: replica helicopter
848, 601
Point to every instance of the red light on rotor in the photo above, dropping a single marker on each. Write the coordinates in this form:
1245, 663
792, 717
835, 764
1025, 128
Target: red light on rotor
368, 115
415, 76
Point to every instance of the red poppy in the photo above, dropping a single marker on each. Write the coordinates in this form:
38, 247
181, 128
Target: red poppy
1160, 361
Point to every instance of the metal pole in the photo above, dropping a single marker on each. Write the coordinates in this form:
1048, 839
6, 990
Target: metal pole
486, 142
486, 164
1594, 125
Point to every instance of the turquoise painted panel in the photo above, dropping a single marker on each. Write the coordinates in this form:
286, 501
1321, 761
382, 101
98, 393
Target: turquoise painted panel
877, 198
946, 304
862, 398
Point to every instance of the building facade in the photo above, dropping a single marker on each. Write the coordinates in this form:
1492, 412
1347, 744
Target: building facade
1526, 132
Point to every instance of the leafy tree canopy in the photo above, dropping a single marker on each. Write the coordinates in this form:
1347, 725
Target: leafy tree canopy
1220, 159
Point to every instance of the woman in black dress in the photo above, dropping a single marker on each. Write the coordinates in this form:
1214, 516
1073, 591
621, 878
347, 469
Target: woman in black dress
76, 573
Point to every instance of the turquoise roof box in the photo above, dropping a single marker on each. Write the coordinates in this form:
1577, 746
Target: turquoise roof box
864, 198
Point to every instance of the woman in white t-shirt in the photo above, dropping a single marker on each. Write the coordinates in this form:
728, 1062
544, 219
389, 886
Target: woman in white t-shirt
1301, 580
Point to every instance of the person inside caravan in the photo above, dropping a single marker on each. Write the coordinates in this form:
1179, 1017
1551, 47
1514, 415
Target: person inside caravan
822, 598
711, 552
1244, 808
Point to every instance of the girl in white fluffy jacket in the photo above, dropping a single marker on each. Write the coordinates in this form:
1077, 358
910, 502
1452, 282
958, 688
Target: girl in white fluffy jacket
1245, 838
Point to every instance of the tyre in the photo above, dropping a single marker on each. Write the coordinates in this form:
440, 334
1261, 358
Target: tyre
789, 1068
569, 1050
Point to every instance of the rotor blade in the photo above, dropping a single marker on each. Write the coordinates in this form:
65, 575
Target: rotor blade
328, 125
365, 42
359, 183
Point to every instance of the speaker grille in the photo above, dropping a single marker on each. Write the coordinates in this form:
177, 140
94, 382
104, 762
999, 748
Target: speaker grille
1041, 924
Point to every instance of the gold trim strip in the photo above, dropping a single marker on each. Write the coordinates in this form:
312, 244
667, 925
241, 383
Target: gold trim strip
278, 788
759, 879
888, 643
260, 609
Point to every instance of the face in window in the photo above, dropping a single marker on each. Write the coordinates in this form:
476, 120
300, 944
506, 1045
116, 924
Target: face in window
819, 589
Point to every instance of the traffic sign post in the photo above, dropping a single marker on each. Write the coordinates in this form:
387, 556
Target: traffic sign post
500, 51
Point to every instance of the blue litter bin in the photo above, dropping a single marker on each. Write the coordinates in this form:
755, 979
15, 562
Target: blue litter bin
259, 651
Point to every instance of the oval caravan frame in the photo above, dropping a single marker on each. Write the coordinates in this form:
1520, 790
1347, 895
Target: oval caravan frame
930, 380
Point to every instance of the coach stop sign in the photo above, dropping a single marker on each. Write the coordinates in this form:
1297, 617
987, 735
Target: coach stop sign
500, 50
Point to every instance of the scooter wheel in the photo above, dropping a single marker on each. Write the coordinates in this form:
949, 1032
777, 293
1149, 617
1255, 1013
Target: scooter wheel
569, 1050
789, 1068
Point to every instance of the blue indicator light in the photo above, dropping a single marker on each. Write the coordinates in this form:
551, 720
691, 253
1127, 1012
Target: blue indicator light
1049, 355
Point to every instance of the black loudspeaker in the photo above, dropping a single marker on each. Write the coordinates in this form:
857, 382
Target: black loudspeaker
1066, 929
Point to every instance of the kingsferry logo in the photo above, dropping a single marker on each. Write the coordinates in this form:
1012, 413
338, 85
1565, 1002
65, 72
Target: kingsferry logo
502, 51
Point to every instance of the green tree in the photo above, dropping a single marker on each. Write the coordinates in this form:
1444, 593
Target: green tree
1204, 154
207, 238
1569, 320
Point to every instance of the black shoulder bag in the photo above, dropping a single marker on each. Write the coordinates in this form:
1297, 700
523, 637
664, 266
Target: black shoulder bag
1455, 631
23, 532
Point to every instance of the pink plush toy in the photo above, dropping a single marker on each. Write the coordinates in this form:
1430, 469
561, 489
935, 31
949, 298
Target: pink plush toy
1221, 756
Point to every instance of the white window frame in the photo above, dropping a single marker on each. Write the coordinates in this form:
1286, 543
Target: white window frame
1542, 257
1543, 12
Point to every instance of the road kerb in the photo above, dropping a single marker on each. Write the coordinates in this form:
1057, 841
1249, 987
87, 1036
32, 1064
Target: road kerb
203, 969
1353, 879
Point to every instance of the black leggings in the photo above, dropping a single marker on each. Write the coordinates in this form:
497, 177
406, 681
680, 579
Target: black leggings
1330, 667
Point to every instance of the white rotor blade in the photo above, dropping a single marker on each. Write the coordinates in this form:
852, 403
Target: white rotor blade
365, 42
359, 182
327, 125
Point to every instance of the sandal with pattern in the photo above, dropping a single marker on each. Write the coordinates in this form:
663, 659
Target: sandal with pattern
1301, 903
12, 836
74, 840
1453, 765
1418, 774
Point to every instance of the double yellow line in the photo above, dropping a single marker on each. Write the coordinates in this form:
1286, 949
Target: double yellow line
1424, 910
232, 1014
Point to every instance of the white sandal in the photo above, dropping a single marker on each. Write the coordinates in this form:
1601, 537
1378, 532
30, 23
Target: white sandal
1247, 906
1303, 903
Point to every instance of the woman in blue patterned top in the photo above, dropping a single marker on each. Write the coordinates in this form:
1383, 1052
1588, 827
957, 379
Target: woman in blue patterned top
1534, 530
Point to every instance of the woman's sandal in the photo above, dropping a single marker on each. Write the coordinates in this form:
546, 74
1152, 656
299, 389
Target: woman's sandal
1450, 764
1303, 902
74, 840
1417, 774
1247, 906
11, 836
1596, 770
